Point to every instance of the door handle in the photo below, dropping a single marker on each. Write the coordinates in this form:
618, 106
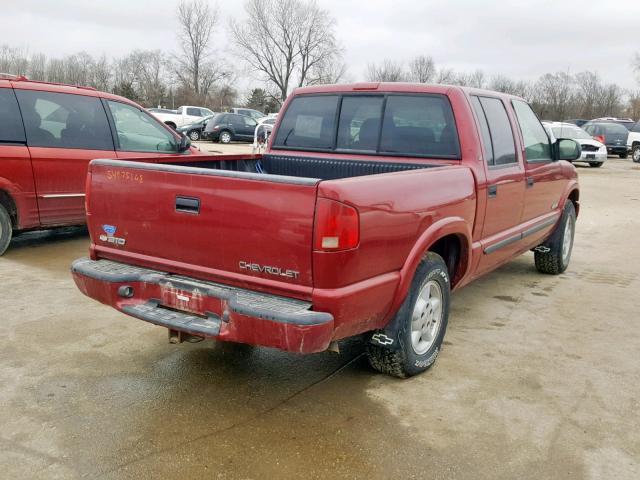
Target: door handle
492, 190
188, 205
530, 182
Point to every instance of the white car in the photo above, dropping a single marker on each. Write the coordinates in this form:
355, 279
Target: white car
633, 142
593, 152
183, 116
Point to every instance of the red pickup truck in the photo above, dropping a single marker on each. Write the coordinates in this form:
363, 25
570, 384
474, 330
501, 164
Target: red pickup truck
49, 133
372, 202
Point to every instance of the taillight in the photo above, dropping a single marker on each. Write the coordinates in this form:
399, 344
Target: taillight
599, 138
337, 226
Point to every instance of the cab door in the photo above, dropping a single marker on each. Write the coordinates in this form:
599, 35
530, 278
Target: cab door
504, 186
64, 133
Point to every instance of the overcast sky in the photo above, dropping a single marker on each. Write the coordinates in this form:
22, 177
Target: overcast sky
518, 38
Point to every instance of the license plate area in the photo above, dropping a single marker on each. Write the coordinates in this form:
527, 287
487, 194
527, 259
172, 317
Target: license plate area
591, 155
183, 300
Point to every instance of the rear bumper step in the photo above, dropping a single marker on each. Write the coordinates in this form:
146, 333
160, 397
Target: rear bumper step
205, 308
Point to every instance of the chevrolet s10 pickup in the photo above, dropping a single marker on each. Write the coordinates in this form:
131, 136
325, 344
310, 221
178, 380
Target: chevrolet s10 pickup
370, 205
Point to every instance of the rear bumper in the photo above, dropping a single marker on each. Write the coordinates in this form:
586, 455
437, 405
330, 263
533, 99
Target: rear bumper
204, 308
617, 149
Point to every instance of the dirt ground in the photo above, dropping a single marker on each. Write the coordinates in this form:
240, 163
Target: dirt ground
539, 378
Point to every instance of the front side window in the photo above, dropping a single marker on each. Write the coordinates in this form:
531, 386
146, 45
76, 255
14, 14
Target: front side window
536, 141
504, 150
11, 129
419, 125
139, 132
249, 122
359, 124
61, 120
194, 112
310, 122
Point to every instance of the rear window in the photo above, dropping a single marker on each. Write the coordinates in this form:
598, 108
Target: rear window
615, 128
310, 122
408, 125
11, 130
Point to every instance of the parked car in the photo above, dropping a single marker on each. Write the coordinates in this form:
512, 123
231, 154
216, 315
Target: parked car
48, 135
612, 134
368, 208
577, 121
626, 122
227, 127
183, 116
633, 142
267, 120
194, 130
593, 152
250, 112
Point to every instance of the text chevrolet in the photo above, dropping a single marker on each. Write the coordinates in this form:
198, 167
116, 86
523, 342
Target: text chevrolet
371, 203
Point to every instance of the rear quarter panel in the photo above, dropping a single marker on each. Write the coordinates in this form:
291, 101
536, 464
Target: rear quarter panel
395, 210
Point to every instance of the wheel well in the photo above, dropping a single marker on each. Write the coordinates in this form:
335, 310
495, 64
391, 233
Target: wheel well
10, 206
634, 144
450, 248
171, 124
574, 196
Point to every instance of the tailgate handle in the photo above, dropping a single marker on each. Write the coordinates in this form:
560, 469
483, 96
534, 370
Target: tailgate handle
188, 205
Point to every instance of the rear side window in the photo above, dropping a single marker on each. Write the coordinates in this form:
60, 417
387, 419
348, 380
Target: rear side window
536, 141
359, 124
419, 125
61, 120
195, 112
484, 130
636, 128
11, 129
310, 122
504, 150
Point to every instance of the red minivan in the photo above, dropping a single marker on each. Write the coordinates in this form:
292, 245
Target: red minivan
49, 133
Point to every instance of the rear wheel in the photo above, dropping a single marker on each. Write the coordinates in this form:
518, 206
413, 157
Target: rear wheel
422, 323
225, 136
6, 230
595, 164
171, 124
553, 256
635, 153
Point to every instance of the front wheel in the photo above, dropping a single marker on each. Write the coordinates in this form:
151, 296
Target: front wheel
194, 135
6, 230
553, 256
595, 164
421, 323
635, 154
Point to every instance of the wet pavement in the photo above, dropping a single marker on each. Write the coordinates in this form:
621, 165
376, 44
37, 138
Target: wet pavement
539, 378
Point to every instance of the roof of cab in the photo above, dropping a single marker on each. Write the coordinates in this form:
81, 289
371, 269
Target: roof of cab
398, 87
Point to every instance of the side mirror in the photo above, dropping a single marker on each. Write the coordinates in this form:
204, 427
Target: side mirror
184, 144
566, 149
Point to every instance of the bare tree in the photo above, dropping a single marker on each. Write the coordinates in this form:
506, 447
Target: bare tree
387, 71
102, 73
422, 69
37, 67
194, 67
445, 75
13, 60
288, 42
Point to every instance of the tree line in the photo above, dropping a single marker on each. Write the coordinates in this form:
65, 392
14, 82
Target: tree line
285, 44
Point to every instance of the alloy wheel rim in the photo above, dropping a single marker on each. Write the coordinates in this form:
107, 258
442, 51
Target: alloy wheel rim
636, 155
426, 317
226, 137
567, 241
194, 135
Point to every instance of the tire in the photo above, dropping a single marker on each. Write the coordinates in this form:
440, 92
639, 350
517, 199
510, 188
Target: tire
595, 164
623, 155
194, 135
225, 136
421, 321
6, 230
171, 124
635, 153
554, 255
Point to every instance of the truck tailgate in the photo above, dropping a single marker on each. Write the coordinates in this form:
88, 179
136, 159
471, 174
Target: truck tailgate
204, 222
